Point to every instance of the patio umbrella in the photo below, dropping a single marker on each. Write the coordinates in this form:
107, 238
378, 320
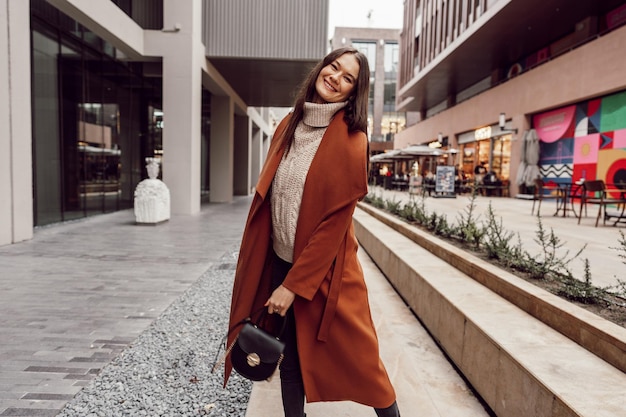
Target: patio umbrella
421, 150
529, 169
519, 180
532, 157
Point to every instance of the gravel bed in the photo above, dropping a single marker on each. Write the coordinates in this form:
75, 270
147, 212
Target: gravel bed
167, 370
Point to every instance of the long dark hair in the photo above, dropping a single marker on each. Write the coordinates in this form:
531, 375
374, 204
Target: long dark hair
355, 111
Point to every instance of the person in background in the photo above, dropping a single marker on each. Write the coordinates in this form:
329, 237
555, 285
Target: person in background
298, 255
479, 175
479, 172
491, 179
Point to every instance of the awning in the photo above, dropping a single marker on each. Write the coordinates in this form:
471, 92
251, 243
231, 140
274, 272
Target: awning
411, 152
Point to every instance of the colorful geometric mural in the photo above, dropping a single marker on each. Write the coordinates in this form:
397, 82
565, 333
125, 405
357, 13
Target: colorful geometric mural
612, 166
613, 112
586, 149
586, 140
619, 138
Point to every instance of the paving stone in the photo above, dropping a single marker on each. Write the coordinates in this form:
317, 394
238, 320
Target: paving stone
29, 412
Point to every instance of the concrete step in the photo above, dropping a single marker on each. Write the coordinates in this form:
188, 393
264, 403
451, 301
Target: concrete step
518, 364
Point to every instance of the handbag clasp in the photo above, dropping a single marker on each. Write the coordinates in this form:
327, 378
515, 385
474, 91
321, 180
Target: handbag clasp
253, 360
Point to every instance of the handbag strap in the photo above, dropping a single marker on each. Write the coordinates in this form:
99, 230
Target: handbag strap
263, 317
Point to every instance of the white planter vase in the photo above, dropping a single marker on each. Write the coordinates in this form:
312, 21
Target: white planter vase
152, 197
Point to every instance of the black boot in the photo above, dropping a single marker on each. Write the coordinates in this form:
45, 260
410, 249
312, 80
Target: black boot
293, 399
391, 411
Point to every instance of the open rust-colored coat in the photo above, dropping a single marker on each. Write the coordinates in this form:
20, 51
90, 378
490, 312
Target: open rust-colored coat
337, 342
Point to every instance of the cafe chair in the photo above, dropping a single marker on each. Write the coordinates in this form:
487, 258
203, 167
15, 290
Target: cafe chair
542, 193
595, 192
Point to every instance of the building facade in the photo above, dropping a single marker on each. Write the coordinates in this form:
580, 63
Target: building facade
481, 73
90, 88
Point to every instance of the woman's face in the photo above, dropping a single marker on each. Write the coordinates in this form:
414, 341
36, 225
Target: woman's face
337, 80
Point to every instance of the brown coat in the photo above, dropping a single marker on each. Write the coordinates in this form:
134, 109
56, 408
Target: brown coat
337, 342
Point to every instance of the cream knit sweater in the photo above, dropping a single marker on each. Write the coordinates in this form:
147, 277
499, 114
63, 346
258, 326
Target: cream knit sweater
288, 183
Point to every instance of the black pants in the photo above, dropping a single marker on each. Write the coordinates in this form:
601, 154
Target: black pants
291, 385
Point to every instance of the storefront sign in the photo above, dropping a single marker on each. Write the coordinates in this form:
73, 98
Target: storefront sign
444, 181
482, 133
552, 125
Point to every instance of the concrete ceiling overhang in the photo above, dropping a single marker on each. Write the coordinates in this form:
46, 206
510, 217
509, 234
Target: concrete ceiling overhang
257, 81
517, 30
263, 82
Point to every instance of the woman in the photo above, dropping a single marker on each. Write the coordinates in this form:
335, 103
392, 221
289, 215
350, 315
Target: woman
298, 255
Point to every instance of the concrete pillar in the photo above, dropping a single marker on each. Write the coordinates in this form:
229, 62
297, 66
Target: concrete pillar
256, 155
182, 104
267, 141
242, 161
222, 149
16, 182
379, 90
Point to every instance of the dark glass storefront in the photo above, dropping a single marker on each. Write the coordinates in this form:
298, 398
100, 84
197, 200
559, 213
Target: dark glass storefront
95, 118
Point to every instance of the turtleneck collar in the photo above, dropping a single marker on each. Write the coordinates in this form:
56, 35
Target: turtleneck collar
320, 115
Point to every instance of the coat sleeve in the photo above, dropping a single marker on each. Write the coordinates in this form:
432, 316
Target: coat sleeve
309, 270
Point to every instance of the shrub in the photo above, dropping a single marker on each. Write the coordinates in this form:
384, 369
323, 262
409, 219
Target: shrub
492, 239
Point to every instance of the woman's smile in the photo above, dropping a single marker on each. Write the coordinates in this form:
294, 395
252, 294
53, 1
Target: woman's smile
330, 87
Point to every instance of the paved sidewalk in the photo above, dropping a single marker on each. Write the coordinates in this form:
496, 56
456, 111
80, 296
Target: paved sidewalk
77, 294
606, 265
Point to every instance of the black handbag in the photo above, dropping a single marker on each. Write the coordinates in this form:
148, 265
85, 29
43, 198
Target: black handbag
255, 352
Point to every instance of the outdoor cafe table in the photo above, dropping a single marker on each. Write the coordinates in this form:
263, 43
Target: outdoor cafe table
566, 193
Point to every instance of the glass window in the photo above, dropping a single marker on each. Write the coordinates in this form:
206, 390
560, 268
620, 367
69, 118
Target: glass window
392, 123
389, 103
483, 152
70, 94
369, 50
46, 150
91, 132
92, 39
392, 53
146, 13
112, 151
502, 157
468, 159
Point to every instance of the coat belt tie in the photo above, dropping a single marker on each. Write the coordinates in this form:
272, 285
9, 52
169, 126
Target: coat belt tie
333, 296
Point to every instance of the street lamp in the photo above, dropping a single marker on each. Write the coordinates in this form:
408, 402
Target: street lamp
502, 124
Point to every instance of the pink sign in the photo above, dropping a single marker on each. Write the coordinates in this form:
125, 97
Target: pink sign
616, 17
552, 125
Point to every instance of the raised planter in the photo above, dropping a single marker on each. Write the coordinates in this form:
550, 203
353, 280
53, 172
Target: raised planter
526, 351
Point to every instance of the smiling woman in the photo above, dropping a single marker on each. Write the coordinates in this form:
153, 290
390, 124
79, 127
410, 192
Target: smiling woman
298, 256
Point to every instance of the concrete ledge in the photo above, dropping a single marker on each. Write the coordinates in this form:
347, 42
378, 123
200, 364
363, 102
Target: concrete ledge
519, 365
599, 336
